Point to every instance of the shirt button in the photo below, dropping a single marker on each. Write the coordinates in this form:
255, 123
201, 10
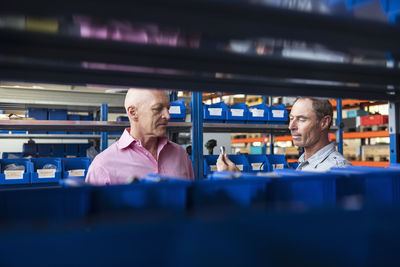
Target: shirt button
147, 153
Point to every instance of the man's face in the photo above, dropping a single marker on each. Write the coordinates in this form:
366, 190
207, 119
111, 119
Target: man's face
153, 114
304, 127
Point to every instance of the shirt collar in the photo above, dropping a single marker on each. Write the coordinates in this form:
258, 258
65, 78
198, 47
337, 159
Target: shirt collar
319, 156
127, 140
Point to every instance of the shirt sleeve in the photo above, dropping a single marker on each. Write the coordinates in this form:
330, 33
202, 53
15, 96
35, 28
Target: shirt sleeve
97, 175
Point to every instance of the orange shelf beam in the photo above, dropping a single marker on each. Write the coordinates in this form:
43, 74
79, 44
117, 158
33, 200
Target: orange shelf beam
371, 163
351, 135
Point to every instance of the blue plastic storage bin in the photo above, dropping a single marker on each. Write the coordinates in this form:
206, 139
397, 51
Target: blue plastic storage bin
277, 114
237, 113
169, 194
177, 110
277, 161
13, 155
122, 118
210, 163
30, 149
58, 150
38, 114
82, 149
14, 177
215, 112
44, 150
45, 205
377, 186
57, 114
74, 117
218, 192
71, 150
46, 176
75, 167
301, 190
258, 163
258, 114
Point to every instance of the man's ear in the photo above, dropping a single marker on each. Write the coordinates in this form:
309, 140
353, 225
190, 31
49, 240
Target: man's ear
325, 122
132, 113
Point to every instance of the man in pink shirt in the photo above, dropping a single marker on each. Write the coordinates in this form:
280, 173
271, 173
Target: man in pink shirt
142, 148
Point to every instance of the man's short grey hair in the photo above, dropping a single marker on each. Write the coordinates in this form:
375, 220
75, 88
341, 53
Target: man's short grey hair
321, 107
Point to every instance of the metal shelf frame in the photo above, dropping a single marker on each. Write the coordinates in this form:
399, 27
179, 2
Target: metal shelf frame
218, 20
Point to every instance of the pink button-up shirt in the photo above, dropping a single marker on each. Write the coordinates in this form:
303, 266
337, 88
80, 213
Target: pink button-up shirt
127, 158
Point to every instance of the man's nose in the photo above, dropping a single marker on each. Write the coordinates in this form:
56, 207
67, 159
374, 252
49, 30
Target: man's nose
292, 125
166, 114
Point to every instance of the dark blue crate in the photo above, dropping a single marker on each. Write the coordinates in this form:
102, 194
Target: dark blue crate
215, 113
258, 114
39, 177
71, 150
13, 155
25, 179
122, 118
30, 149
258, 163
302, 190
44, 150
58, 150
18, 132
277, 114
74, 117
237, 113
57, 114
277, 161
70, 165
45, 204
222, 193
82, 149
177, 110
377, 186
38, 114
210, 163
168, 195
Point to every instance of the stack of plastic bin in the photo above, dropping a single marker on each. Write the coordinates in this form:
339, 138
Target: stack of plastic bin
210, 163
75, 167
71, 150
278, 114
237, 113
154, 192
377, 186
177, 110
58, 150
258, 163
57, 114
258, 114
29, 149
215, 112
228, 190
37, 114
277, 162
40, 175
17, 176
44, 150
302, 190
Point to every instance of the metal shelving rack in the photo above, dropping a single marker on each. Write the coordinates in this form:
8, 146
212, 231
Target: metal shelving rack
240, 21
